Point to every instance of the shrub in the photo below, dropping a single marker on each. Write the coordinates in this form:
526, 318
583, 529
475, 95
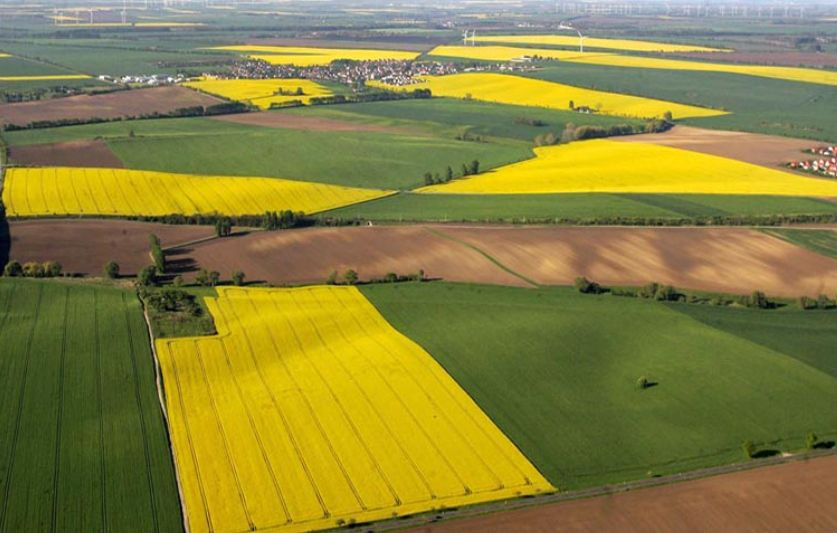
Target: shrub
586, 286
13, 269
749, 448
806, 303
208, 278
332, 278
111, 270
666, 293
52, 269
642, 383
33, 270
391, 277
810, 440
177, 281
649, 290
147, 276
824, 303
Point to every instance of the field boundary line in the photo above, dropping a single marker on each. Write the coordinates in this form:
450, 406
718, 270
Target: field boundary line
158, 379
59, 425
488, 256
513, 504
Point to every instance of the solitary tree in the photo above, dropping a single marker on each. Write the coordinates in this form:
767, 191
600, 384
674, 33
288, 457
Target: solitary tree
33, 270
667, 116
147, 276
475, 167
428, 178
810, 440
572, 104
13, 269
642, 383
749, 448
111, 270
449, 174
332, 278
465, 169
52, 269
238, 278
350, 277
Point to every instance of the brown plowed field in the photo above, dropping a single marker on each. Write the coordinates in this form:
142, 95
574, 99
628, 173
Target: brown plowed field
309, 255
109, 105
277, 119
797, 496
84, 246
766, 150
717, 259
66, 154
785, 59
731, 260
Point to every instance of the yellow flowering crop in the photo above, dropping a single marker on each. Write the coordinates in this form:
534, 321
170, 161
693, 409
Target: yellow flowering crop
303, 56
612, 44
3, 54
507, 53
507, 89
260, 93
308, 411
117, 191
622, 167
45, 78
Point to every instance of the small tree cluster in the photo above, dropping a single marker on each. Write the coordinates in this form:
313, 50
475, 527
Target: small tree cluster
157, 254
208, 278
661, 293
223, 227
273, 220
173, 301
821, 302
147, 276
32, 269
586, 286
237, 278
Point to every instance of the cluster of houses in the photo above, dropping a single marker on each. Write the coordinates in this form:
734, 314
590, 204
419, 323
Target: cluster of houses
389, 71
826, 165
150, 79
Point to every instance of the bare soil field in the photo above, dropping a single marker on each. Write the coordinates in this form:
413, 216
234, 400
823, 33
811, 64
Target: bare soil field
796, 496
733, 260
109, 105
310, 255
67, 154
784, 59
765, 150
277, 119
84, 246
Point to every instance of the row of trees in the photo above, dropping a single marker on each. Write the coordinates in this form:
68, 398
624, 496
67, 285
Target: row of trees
468, 169
350, 277
572, 132
32, 269
376, 96
157, 253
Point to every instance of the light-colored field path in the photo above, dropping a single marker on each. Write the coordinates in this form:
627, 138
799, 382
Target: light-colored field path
592, 42
303, 56
517, 90
620, 167
308, 411
52, 191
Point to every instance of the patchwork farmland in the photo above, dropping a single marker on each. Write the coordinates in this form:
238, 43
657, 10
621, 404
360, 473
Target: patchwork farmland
510, 266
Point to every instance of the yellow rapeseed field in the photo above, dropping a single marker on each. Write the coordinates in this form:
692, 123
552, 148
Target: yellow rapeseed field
507, 53
508, 89
302, 56
612, 44
45, 78
2, 54
117, 191
622, 167
260, 93
309, 411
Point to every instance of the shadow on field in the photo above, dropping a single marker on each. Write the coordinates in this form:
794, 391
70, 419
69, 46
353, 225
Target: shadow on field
761, 454
5, 240
180, 265
825, 445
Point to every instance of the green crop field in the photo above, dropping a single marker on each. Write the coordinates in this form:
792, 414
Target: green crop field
82, 439
363, 159
759, 105
575, 207
821, 241
473, 117
557, 371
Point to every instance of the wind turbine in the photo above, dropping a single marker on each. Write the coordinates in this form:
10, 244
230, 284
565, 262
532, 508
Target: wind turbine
465, 37
563, 26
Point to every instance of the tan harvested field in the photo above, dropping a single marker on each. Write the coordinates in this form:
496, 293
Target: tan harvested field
109, 105
765, 150
309, 255
277, 119
67, 154
733, 260
783, 59
797, 496
84, 246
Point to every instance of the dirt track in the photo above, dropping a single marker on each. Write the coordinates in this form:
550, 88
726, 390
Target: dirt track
110, 105
719, 259
277, 119
66, 154
84, 246
797, 496
765, 150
